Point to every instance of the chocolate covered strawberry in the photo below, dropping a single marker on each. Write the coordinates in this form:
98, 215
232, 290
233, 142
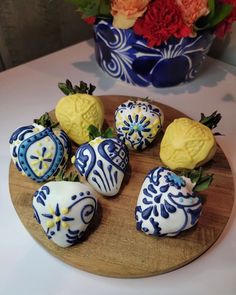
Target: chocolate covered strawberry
64, 209
40, 150
102, 162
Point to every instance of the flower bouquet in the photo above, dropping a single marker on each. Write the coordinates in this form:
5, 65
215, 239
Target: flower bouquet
155, 42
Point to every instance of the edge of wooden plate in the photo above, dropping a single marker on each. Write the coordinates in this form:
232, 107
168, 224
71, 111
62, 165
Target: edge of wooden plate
113, 247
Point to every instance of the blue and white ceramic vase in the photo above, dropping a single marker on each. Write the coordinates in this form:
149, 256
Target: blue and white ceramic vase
124, 55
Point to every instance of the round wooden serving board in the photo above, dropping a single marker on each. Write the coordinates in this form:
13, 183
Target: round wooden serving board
113, 247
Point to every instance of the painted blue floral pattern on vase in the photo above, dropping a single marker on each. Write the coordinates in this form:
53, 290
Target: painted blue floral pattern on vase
124, 55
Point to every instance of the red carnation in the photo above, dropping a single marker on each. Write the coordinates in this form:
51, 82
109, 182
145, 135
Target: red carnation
162, 20
225, 26
90, 20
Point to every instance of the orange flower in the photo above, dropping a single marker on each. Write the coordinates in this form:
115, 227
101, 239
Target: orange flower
126, 12
192, 10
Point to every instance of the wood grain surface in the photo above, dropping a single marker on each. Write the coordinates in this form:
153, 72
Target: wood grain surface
113, 247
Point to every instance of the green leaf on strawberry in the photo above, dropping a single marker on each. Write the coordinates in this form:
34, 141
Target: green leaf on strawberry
201, 181
94, 132
212, 120
46, 121
67, 88
72, 176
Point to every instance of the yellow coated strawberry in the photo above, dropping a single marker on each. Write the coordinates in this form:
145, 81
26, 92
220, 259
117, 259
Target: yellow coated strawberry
187, 144
76, 112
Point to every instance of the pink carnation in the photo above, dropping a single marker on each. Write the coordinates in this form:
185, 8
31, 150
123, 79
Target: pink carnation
125, 12
192, 10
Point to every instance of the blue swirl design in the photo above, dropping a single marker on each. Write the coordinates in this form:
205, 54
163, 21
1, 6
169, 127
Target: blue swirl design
124, 55
104, 171
88, 210
61, 219
114, 54
159, 202
115, 152
20, 133
85, 159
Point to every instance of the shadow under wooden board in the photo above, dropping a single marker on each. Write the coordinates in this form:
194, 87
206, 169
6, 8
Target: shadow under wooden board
113, 246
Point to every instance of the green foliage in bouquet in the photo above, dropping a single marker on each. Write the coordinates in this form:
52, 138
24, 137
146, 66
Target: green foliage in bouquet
159, 20
92, 7
218, 12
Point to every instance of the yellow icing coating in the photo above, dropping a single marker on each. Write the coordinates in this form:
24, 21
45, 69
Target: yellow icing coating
77, 112
64, 224
64, 211
73, 160
38, 152
45, 166
96, 141
187, 144
50, 223
51, 211
119, 116
36, 162
57, 218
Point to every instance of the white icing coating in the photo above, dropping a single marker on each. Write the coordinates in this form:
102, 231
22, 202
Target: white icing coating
138, 123
39, 152
167, 204
64, 209
103, 162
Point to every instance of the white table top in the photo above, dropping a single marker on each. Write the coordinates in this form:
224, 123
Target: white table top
31, 89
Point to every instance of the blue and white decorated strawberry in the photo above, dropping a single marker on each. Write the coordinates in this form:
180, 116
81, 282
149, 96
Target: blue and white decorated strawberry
40, 151
103, 162
168, 203
64, 209
138, 123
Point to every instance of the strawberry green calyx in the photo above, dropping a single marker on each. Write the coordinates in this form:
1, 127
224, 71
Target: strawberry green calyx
46, 121
72, 176
201, 181
67, 88
145, 99
211, 121
94, 132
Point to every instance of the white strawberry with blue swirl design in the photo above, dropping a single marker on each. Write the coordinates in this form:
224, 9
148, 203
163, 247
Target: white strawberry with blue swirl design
64, 209
167, 204
102, 162
39, 152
